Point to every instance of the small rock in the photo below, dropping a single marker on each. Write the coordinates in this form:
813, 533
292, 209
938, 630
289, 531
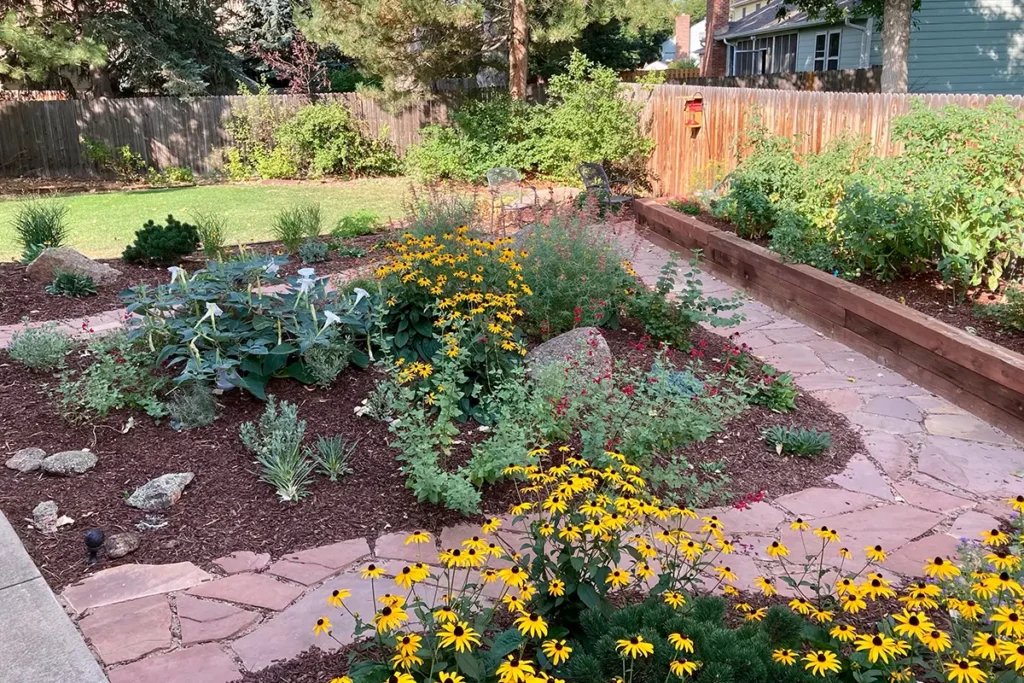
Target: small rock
151, 523
43, 268
26, 460
584, 347
521, 237
123, 544
44, 517
160, 493
69, 463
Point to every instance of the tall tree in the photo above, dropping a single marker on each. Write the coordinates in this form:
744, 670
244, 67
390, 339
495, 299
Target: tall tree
38, 47
411, 43
896, 19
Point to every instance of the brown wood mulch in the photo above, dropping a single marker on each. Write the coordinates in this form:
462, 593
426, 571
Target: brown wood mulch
21, 297
226, 508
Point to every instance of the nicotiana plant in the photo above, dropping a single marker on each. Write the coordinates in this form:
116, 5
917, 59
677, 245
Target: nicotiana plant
238, 324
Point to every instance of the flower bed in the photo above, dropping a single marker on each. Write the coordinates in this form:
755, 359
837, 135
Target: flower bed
978, 375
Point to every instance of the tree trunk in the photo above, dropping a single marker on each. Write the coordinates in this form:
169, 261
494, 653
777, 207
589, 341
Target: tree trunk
895, 45
517, 51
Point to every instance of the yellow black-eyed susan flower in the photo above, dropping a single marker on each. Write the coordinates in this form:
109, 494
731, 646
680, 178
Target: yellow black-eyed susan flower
1009, 620
556, 588
683, 667
878, 646
372, 571
937, 641
390, 619
822, 662
322, 625
532, 625
634, 647
338, 596
556, 650
776, 549
680, 642
875, 553
784, 656
961, 670
458, 635
515, 670
418, 537
674, 599
939, 568
844, 633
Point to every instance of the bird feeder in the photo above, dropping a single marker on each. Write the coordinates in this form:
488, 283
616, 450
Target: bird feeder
693, 112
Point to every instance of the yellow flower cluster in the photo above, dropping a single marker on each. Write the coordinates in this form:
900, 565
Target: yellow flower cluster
469, 279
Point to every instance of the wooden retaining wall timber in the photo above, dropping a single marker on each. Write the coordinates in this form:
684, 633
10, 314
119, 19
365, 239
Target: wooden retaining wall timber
973, 373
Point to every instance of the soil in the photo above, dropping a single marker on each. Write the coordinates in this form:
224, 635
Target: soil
312, 666
226, 508
21, 297
927, 293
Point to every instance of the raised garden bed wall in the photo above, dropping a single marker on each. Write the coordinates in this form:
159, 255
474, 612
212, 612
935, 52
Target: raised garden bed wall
975, 374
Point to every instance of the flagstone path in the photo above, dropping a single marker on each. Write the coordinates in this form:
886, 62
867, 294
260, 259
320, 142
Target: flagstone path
931, 474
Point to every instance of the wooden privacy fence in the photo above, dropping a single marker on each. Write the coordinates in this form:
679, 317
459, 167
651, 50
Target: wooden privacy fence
685, 160
42, 138
669, 74
840, 80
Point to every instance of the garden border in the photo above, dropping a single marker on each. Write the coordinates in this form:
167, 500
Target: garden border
973, 373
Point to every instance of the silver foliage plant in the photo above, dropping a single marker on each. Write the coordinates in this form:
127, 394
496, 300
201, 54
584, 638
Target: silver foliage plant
276, 441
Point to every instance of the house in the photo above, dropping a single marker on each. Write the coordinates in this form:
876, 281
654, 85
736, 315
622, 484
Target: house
956, 46
686, 42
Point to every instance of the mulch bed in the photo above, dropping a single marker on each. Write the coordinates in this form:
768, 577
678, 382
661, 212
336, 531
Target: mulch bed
226, 508
924, 292
21, 297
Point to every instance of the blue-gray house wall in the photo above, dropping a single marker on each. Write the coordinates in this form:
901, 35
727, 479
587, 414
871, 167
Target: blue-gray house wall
851, 43
968, 46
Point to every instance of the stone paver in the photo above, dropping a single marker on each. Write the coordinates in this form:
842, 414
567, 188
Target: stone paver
257, 590
131, 581
861, 475
821, 502
243, 561
291, 632
199, 664
970, 524
979, 468
316, 564
204, 620
843, 401
757, 518
930, 499
893, 407
911, 558
392, 547
129, 630
964, 426
891, 452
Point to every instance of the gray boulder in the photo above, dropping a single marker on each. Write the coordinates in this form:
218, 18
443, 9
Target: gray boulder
69, 463
26, 460
44, 517
122, 544
583, 349
43, 268
160, 493
519, 240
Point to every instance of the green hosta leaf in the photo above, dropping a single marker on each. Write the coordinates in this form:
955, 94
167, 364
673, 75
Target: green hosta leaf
469, 665
425, 327
359, 359
589, 596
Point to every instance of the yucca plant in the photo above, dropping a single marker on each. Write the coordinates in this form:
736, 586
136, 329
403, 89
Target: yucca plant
797, 440
332, 454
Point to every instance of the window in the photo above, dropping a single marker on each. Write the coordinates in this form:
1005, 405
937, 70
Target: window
768, 55
826, 51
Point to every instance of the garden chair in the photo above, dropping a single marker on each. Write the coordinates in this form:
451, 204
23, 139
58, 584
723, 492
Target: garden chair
509, 195
596, 182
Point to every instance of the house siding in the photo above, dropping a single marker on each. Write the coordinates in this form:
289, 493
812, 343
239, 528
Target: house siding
968, 46
849, 46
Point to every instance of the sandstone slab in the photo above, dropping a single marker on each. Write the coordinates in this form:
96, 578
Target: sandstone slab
861, 476
199, 664
893, 407
316, 564
757, 518
131, 581
821, 502
203, 620
129, 630
393, 547
257, 590
967, 427
840, 400
983, 469
891, 452
884, 423
45, 266
930, 499
243, 561
794, 358
969, 525
911, 558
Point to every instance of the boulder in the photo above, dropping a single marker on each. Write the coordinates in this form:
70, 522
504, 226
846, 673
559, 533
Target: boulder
69, 463
43, 268
160, 493
584, 348
520, 238
26, 460
122, 544
44, 517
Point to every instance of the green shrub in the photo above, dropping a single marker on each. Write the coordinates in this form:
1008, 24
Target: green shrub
121, 375
325, 363
162, 245
313, 251
688, 206
179, 174
297, 224
121, 162
773, 390
40, 348
212, 230
326, 139
357, 224
40, 225
797, 440
1010, 313
192, 405
439, 211
70, 284
276, 441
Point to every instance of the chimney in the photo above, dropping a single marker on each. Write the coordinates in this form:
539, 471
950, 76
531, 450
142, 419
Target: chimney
682, 36
715, 52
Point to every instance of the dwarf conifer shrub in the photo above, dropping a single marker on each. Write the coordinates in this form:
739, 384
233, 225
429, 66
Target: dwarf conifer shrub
162, 245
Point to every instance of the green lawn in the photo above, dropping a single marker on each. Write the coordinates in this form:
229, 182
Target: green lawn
103, 223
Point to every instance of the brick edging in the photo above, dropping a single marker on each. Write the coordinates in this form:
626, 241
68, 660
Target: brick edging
974, 373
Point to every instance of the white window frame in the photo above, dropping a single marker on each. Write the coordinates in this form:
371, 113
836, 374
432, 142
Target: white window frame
822, 63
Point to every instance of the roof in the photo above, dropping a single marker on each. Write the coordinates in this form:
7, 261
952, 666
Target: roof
766, 20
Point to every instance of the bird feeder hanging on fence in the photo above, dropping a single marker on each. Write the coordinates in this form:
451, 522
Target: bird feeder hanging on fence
693, 111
